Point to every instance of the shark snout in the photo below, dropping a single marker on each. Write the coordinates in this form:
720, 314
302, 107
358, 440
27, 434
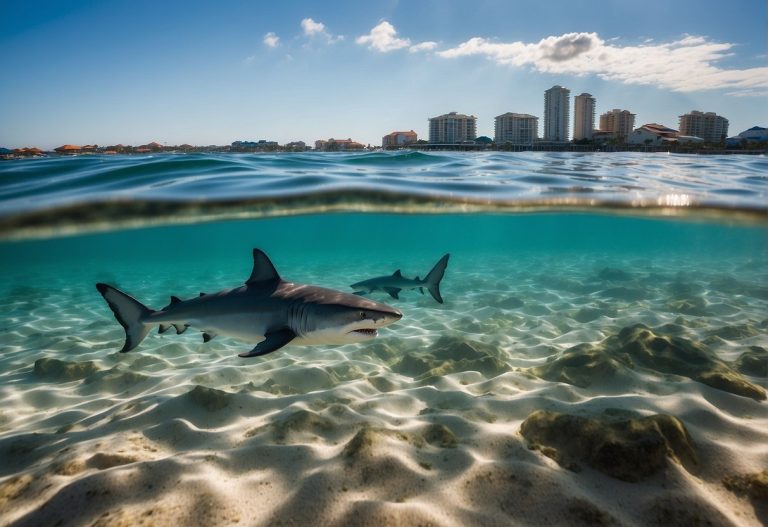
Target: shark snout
389, 316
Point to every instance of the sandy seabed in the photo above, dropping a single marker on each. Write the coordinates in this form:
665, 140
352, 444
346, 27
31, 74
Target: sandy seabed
551, 392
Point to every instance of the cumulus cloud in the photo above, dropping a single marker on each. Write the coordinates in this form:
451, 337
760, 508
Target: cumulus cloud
687, 64
383, 38
312, 28
271, 40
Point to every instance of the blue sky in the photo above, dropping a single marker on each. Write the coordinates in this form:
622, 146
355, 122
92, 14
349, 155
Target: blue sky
203, 73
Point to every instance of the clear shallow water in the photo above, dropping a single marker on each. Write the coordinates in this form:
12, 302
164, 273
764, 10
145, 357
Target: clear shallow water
438, 397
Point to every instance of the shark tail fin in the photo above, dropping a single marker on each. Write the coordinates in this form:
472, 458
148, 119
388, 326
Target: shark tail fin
129, 312
432, 280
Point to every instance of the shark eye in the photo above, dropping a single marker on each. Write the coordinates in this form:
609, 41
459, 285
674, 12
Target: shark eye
362, 315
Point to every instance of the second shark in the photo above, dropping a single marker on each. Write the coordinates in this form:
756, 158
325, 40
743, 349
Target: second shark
396, 282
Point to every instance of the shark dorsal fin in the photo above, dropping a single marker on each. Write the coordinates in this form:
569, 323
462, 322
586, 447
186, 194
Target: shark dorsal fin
264, 272
175, 300
397, 274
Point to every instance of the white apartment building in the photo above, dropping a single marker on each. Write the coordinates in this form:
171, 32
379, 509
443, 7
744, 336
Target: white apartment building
621, 122
709, 126
583, 116
516, 128
452, 128
557, 108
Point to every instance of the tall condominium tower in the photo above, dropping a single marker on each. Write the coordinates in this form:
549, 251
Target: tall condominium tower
583, 116
709, 126
516, 128
452, 128
620, 122
556, 109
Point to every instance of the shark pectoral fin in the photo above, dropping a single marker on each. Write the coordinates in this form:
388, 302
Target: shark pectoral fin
163, 328
180, 328
273, 340
393, 291
207, 336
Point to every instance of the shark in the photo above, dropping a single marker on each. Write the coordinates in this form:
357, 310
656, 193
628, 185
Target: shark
396, 282
266, 311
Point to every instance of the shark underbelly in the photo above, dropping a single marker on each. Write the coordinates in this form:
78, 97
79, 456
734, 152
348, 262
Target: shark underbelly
241, 326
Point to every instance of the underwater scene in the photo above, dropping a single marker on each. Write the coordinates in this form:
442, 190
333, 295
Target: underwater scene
531, 339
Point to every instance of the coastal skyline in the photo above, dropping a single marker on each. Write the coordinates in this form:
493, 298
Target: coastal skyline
115, 72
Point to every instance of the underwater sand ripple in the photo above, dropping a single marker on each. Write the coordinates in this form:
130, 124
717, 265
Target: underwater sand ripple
425, 424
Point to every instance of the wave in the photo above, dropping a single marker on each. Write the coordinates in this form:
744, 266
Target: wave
63, 194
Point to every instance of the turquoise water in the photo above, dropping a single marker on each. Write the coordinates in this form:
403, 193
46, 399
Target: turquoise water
548, 252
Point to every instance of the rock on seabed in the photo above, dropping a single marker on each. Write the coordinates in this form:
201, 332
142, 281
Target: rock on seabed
638, 345
626, 449
60, 370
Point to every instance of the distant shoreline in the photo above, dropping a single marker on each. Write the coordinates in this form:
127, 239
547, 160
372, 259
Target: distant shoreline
21, 154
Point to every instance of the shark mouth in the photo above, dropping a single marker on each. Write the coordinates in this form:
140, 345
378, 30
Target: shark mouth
365, 331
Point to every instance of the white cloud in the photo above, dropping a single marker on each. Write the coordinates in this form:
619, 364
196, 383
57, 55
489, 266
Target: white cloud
312, 28
749, 93
423, 46
383, 38
271, 40
687, 64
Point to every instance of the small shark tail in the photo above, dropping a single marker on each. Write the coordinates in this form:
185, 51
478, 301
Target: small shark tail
432, 280
129, 312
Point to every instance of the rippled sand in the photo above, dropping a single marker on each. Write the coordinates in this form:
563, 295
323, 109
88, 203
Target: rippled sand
528, 398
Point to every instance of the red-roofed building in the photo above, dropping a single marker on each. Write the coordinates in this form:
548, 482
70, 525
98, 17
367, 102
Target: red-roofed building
337, 145
652, 134
69, 149
396, 139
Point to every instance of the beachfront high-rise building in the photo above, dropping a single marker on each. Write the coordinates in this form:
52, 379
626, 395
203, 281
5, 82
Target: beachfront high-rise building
583, 116
620, 122
452, 128
396, 139
516, 128
557, 107
709, 126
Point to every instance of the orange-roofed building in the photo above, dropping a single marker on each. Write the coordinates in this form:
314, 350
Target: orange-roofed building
342, 145
396, 139
34, 151
68, 149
